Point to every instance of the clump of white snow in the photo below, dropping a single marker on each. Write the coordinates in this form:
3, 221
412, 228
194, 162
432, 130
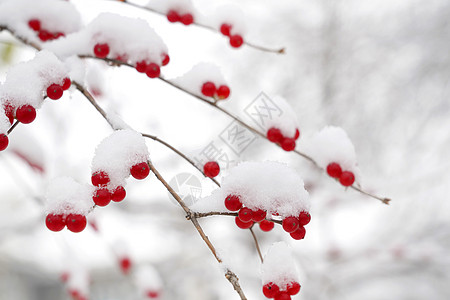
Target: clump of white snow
231, 15
65, 196
180, 6
284, 118
4, 121
279, 266
147, 279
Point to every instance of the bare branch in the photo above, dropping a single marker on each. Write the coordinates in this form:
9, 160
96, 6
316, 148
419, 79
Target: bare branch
257, 244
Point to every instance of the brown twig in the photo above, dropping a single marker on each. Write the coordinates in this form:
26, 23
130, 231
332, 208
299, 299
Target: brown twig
231, 214
257, 244
12, 127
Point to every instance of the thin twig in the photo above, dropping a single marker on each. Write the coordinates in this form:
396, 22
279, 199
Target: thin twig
12, 127
199, 215
257, 244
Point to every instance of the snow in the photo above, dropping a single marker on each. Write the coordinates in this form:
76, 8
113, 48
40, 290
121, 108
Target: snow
233, 15
180, 6
286, 121
77, 68
78, 281
4, 121
65, 196
279, 266
147, 278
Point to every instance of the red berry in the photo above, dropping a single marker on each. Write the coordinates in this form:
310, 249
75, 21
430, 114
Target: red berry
122, 57
211, 169
34, 24
4, 141
76, 222
166, 59
245, 214
152, 70
9, 111
243, 225
125, 265
290, 224
236, 41
118, 194
293, 288
283, 296
101, 197
141, 66
223, 92
347, 178
187, 19
299, 233
266, 225
297, 134
225, 29
334, 170
274, 135
140, 171
152, 294
208, 89
99, 178
101, 50
233, 203
55, 91
304, 218
45, 35
55, 222
64, 276
26, 114
66, 83
173, 16
288, 144
270, 290
258, 215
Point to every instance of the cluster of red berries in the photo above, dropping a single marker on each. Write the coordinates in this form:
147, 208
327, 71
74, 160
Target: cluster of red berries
125, 264
103, 196
236, 40
247, 217
74, 222
346, 178
209, 89
287, 144
43, 34
173, 16
295, 225
152, 69
211, 169
271, 290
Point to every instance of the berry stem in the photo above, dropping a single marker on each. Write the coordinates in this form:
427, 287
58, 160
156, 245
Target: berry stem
257, 244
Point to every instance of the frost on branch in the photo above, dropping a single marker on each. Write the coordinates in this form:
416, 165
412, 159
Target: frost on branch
148, 281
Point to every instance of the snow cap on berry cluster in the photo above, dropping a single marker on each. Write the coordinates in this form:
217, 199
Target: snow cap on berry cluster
194, 79
180, 6
78, 282
283, 118
278, 266
147, 279
54, 15
66, 196
117, 153
37, 74
126, 37
231, 15
332, 144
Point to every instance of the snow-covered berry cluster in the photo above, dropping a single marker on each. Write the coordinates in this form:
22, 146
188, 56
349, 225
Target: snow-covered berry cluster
346, 178
149, 282
287, 143
236, 40
209, 89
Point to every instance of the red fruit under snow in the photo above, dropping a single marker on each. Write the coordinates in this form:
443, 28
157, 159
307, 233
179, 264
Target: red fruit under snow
141, 66
118, 194
297, 134
288, 144
45, 35
66, 83
282, 296
173, 16
55, 91
236, 41
245, 214
166, 59
76, 222
99, 178
258, 215
101, 50
125, 265
290, 224
211, 169
4, 141
187, 19
152, 70
293, 288
101, 197
223, 92
270, 290
152, 294
299, 234
55, 222
304, 218
34, 24
208, 89
347, 178
225, 29
26, 114
233, 203
266, 225
274, 135
334, 170
243, 225
140, 171
9, 111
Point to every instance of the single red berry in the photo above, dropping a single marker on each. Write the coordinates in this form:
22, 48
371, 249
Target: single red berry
4, 141
64, 276
187, 19
304, 218
55, 222
173, 16
270, 290
233, 203
152, 294
266, 225
288, 144
245, 214
258, 215
101, 50
75, 294
282, 296
166, 59
274, 135
66, 83
347, 178
140, 171
141, 66
297, 134
299, 234
225, 29
45, 35
211, 169
26, 114
76, 222
236, 41
290, 224
293, 288
118, 194
223, 92
34, 24
55, 91
9, 111
125, 265
334, 170
209, 89
99, 178
152, 70
101, 197
243, 225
